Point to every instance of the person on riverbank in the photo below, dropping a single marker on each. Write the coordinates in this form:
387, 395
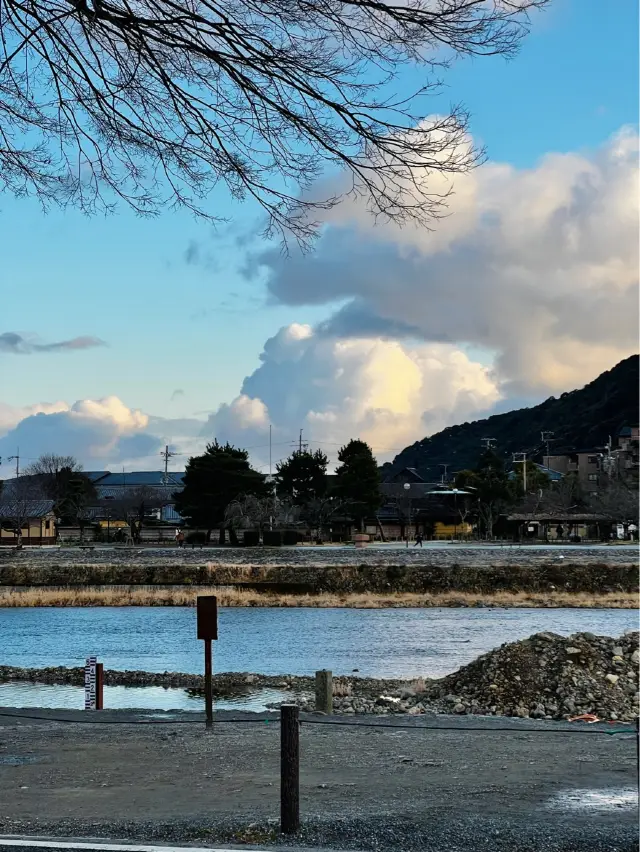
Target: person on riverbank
419, 539
180, 539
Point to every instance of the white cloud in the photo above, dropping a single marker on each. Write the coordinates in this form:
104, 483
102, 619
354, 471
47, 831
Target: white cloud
379, 390
99, 432
538, 266
11, 415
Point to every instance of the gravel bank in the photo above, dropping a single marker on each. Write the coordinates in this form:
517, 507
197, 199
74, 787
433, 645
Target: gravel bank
546, 676
361, 788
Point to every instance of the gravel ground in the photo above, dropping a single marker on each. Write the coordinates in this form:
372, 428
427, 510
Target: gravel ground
361, 787
436, 555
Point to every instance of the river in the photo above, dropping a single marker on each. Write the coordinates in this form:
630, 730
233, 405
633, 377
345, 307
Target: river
376, 642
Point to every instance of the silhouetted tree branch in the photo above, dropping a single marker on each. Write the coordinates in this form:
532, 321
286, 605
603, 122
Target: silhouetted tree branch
156, 102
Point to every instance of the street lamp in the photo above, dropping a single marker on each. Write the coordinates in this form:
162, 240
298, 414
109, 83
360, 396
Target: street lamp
407, 488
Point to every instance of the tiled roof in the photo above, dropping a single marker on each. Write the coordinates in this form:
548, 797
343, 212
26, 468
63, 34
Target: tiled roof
139, 478
26, 508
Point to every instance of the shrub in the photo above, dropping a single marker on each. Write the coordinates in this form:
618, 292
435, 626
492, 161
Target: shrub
290, 537
272, 538
251, 538
196, 537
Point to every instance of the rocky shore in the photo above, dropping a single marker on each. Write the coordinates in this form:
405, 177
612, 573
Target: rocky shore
546, 676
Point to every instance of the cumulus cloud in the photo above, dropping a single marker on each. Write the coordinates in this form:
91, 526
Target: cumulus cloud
539, 267
380, 390
17, 344
99, 432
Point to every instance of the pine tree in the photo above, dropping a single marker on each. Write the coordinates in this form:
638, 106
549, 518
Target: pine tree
303, 476
212, 481
358, 480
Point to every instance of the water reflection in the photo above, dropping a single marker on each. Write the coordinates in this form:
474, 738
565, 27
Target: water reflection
21, 694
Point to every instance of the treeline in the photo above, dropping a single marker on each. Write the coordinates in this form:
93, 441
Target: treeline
489, 491
221, 490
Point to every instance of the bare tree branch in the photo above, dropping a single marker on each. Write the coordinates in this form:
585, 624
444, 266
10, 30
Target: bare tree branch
158, 102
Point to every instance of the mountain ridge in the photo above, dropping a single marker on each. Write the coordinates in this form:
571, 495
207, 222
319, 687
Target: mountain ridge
580, 419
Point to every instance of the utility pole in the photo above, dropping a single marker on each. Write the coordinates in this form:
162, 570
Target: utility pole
300, 442
443, 478
521, 458
488, 443
16, 458
269, 449
166, 455
546, 438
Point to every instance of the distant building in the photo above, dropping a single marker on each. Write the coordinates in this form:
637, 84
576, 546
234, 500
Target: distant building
595, 466
153, 486
586, 464
35, 518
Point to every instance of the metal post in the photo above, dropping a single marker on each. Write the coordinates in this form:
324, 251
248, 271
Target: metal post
289, 769
638, 748
99, 686
324, 692
208, 687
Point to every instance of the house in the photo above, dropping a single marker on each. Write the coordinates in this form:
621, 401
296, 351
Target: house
546, 525
35, 519
153, 487
624, 460
586, 464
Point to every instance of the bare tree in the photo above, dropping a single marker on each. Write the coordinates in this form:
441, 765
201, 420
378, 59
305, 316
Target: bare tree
318, 512
618, 501
50, 464
19, 500
53, 472
155, 102
251, 512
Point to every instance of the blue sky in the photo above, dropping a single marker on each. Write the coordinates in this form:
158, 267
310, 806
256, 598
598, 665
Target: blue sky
200, 327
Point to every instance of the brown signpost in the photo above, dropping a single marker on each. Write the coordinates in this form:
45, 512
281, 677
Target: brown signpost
207, 615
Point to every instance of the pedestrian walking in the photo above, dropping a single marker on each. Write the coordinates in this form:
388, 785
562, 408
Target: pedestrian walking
419, 540
180, 539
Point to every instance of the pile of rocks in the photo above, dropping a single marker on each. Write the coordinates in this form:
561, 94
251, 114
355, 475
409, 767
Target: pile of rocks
547, 677
544, 677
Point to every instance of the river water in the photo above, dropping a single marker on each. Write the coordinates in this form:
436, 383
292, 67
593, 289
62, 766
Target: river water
376, 642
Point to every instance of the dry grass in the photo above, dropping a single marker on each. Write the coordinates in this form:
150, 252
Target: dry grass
229, 596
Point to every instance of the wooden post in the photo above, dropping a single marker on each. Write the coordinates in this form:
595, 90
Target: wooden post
324, 692
207, 625
99, 686
289, 769
208, 687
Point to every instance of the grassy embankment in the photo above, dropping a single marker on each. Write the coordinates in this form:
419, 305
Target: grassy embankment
234, 597
543, 584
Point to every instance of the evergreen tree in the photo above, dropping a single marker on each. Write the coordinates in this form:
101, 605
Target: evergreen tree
303, 476
212, 481
358, 480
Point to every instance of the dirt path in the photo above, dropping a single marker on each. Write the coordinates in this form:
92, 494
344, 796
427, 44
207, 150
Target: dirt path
361, 787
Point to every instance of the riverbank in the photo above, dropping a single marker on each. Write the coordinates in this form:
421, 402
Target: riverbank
436, 576
229, 596
546, 676
362, 789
